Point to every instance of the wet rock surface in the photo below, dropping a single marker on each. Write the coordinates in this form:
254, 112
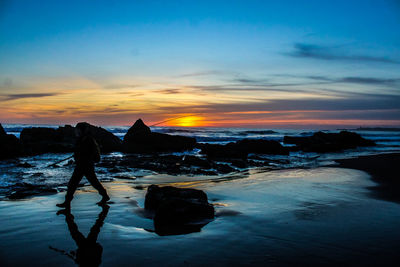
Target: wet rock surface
174, 165
328, 142
140, 139
24, 190
178, 210
240, 149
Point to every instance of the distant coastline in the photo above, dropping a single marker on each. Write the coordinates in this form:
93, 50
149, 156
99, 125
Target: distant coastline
383, 129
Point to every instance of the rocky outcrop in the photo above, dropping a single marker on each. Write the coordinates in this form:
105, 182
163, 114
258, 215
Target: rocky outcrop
10, 146
39, 140
228, 151
328, 142
107, 141
178, 210
140, 139
259, 146
242, 148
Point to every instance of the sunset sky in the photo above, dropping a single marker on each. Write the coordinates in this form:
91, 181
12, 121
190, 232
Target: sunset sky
265, 64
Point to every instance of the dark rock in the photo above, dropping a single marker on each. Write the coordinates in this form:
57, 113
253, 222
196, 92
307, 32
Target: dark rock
260, 146
239, 163
177, 210
328, 142
242, 148
169, 164
189, 160
2, 131
224, 168
228, 151
137, 130
156, 195
179, 216
10, 146
107, 141
140, 139
39, 140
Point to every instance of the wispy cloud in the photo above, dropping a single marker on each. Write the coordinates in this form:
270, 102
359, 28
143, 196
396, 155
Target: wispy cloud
9, 97
318, 80
205, 73
329, 53
353, 101
119, 86
168, 91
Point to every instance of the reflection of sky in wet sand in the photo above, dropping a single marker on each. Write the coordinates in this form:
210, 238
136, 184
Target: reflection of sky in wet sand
321, 214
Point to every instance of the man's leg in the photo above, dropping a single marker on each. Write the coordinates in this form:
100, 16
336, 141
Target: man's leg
72, 186
92, 178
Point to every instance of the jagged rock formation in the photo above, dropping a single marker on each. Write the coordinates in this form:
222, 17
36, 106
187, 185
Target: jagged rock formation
140, 139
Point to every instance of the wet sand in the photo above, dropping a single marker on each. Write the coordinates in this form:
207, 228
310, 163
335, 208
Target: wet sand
323, 216
384, 169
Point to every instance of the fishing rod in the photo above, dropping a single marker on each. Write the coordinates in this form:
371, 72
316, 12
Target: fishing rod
54, 164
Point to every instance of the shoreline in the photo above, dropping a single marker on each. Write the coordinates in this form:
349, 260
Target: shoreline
383, 168
311, 216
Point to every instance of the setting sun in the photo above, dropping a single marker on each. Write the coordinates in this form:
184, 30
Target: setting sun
188, 121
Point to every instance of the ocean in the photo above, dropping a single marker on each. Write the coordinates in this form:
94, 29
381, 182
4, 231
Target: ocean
13, 172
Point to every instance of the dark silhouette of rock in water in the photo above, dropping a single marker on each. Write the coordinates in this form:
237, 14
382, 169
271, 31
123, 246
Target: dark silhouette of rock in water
89, 251
216, 151
107, 141
178, 210
39, 140
242, 148
10, 146
138, 129
328, 142
259, 146
2, 131
140, 139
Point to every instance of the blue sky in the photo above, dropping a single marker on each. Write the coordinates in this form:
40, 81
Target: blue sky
236, 63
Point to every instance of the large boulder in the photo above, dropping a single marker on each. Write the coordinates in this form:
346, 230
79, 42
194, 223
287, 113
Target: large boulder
242, 148
328, 142
39, 140
107, 141
178, 210
140, 139
10, 146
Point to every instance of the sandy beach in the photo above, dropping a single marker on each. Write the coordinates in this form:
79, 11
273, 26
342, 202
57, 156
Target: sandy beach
320, 216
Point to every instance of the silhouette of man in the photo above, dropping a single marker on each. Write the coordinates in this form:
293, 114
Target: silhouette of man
89, 251
86, 154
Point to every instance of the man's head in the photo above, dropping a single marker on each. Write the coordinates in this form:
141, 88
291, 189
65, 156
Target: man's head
82, 128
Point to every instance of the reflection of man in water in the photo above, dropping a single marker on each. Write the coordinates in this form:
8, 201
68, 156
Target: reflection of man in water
86, 154
89, 251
